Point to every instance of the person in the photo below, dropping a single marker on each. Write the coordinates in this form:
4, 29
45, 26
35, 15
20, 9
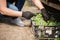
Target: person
42, 9
7, 9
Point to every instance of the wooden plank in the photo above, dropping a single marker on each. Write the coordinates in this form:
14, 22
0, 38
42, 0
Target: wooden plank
56, 6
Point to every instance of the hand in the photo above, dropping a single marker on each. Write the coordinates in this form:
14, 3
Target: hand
27, 15
44, 14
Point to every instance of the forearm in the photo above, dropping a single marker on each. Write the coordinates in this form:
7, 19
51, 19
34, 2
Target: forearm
6, 11
10, 12
38, 4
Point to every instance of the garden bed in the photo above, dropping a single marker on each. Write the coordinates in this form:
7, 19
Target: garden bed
46, 32
46, 39
43, 29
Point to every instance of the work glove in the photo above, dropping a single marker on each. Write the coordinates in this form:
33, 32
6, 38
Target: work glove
44, 14
27, 15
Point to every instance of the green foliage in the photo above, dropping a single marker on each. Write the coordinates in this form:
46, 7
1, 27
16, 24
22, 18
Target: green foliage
38, 19
57, 39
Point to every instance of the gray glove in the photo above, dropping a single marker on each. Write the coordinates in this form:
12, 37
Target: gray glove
44, 14
28, 15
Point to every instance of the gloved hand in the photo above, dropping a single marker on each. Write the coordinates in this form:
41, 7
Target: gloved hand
27, 15
44, 14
